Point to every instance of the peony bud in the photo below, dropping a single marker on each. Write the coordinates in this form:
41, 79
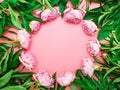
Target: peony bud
73, 16
44, 78
93, 47
24, 38
66, 78
89, 27
27, 60
87, 67
35, 26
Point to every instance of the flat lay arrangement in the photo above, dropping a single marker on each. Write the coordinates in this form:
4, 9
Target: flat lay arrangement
21, 20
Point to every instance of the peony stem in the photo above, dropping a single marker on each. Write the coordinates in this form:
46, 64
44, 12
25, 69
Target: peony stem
43, 2
49, 6
87, 5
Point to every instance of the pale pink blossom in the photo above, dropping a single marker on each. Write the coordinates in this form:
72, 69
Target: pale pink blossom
28, 60
24, 38
48, 15
73, 15
93, 47
66, 78
35, 26
44, 78
87, 67
89, 27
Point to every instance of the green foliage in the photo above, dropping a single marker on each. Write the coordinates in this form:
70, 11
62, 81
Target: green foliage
76, 3
62, 6
5, 79
10, 77
14, 19
14, 88
87, 83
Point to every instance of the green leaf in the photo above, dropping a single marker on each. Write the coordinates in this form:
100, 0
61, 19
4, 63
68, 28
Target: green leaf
104, 32
81, 84
80, 74
31, 17
60, 87
5, 79
102, 17
73, 87
14, 19
76, 2
22, 75
12, 32
10, 55
6, 38
5, 63
15, 60
12, 2
110, 70
23, 1
13, 88
115, 58
29, 10
25, 23
54, 2
2, 23
28, 83
117, 80
97, 60
62, 6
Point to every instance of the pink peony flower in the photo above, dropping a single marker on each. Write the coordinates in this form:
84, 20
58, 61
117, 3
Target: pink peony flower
24, 38
44, 78
48, 15
66, 78
73, 16
27, 60
89, 27
87, 67
93, 47
35, 26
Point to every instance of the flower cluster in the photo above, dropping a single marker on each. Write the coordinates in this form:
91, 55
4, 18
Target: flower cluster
47, 14
73, 15
89, 27
27, 60
35, 26
66, 78
93, 47
44, 78
24, 38
87, 67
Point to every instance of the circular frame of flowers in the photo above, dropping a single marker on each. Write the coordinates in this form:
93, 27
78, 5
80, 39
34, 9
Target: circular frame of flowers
73, 16
14, 58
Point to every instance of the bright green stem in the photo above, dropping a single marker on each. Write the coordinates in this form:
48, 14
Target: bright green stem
114, 48
49, 6
43, 2
3, 9
87, 5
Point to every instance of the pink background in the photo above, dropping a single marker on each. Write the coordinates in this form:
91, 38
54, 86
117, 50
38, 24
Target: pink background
60, 46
